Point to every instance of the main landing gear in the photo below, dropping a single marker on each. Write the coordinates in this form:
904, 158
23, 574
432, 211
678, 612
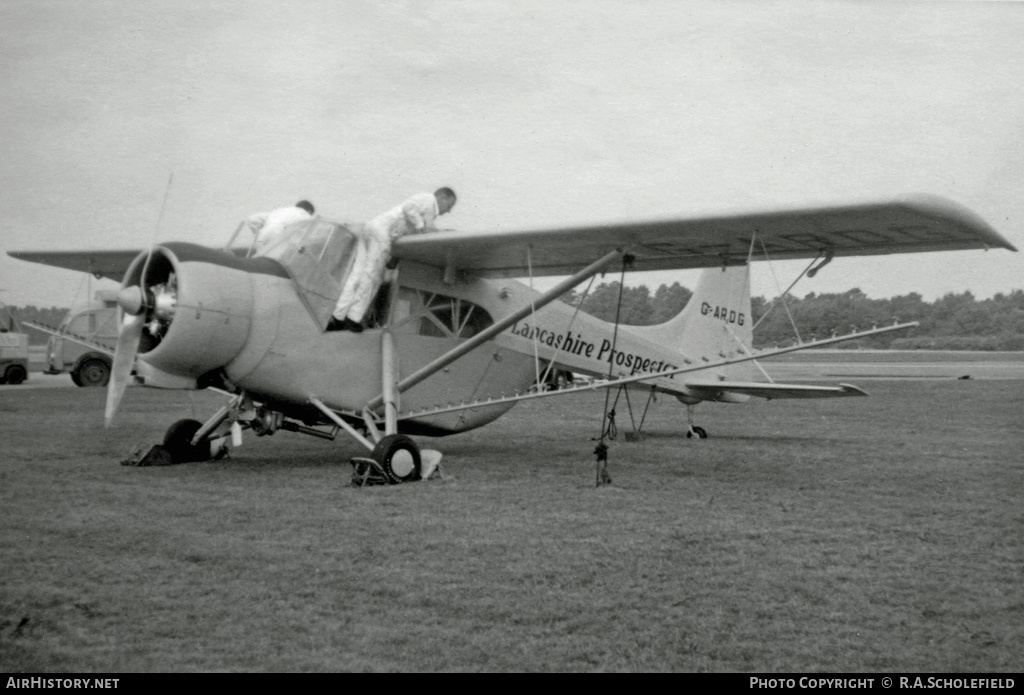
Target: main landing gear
393, 459
399, 457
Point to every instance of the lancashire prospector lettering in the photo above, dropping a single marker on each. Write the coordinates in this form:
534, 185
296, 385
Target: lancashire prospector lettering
576, 345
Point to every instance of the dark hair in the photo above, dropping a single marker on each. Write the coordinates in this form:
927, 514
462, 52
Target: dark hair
305, 205
446, 192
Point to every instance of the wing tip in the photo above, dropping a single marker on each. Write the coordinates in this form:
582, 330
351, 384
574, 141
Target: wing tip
932, 204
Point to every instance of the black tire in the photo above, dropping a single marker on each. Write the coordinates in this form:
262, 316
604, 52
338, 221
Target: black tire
178, 442
399, 457
15, 374
699, 431
92, 372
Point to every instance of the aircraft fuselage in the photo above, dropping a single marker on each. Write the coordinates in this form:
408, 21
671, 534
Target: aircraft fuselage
252, 323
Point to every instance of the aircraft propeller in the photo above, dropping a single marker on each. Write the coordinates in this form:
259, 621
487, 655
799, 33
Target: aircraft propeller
136, 303
128, 337
147, 309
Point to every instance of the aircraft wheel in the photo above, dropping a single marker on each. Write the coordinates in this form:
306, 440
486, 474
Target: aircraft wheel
15, 374
399, 457
178, 442
698, 432
92, 373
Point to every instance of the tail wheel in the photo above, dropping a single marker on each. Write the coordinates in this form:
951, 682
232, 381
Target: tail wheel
399, 457
92, 372
178, 442
697, 432
15, 374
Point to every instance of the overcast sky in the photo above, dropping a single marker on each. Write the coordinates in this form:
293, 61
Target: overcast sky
537, 113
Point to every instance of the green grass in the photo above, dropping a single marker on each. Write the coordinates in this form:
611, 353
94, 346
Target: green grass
868, 534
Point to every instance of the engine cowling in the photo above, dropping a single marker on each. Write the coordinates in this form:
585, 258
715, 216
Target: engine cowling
197, 306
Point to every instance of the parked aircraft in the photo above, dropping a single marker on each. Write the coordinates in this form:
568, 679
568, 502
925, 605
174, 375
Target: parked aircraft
453, 341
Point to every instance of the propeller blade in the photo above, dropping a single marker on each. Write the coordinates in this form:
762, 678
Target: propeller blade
124, 357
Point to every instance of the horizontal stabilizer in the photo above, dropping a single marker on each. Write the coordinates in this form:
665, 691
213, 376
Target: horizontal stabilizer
715, 390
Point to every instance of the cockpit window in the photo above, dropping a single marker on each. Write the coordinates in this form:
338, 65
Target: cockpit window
318, 255
326, 244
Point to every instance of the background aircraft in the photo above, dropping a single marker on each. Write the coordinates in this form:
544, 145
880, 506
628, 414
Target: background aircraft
453, 341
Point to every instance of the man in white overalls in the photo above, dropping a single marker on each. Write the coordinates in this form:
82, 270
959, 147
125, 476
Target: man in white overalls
268, 226
373, 251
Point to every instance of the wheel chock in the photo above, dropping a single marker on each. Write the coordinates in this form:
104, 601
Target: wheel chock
430, 463
156, 455
366, 471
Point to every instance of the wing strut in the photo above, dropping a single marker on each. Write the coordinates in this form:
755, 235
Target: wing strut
647, 376
605, 431
608, 430
782, 295
485, 335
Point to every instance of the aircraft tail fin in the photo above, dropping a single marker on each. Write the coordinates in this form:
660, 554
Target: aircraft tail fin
716, 322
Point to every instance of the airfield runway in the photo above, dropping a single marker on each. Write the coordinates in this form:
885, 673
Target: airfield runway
821, 365
841, 365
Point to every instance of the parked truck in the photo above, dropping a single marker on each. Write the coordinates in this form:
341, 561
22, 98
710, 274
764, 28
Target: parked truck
13, 349
84, 345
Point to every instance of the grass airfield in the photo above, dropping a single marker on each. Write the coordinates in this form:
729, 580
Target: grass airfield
852, 535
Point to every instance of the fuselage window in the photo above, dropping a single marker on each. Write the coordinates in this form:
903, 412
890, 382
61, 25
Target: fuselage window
438, 316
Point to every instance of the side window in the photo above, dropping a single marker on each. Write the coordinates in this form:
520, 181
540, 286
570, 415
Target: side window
331, 244
81, 324
438, 316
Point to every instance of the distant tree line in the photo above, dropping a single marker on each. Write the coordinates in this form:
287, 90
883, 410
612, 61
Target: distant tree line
953, 322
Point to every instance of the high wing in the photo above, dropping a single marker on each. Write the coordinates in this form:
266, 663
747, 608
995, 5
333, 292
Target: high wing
111, 264
915, 224
912, 225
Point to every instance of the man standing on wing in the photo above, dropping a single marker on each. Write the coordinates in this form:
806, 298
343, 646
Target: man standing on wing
373, 251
